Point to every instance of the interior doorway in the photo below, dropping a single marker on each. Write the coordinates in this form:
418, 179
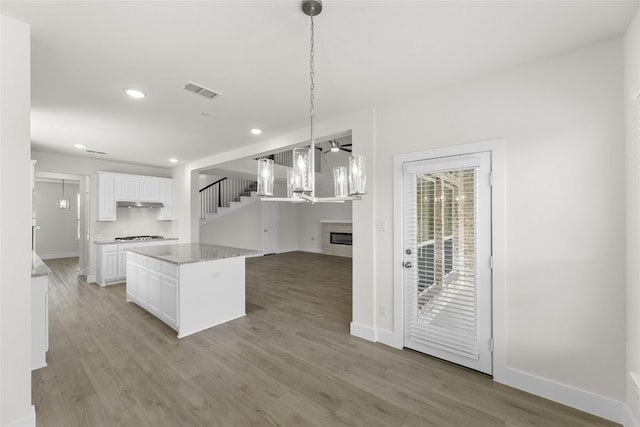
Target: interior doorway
269, 228
62, 217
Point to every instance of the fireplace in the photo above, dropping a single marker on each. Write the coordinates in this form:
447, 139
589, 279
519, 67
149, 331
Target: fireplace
336, 238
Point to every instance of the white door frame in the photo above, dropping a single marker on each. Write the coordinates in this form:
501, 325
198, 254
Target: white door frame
498, 236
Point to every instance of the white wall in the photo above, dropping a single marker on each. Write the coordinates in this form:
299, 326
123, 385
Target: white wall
310, 228
243, 227
47, 162
632, 114
15, 224
563, 122
58, 233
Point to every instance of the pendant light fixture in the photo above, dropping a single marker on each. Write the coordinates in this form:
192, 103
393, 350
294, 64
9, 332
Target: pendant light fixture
349, 182
62, 202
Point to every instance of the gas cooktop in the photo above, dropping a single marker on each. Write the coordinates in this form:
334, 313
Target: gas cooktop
138, 238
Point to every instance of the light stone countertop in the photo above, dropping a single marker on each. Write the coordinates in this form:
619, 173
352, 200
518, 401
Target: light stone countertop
113, 241
38, 267
186, 253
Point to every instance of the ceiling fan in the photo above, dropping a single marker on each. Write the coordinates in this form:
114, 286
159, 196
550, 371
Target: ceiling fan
335, 146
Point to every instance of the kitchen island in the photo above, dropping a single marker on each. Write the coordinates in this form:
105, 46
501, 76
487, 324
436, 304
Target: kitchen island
189, 286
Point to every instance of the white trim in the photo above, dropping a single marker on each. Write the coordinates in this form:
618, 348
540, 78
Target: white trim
628, 420
498, 236
28, 421
362, 331
311, 249
91, 278
389, 338
583, 400
59, 255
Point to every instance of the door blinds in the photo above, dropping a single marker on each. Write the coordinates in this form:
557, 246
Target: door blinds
442, 293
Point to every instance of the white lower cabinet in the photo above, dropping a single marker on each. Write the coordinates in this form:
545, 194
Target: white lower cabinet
154, 299
169, 309
132, 276
122, 264
107, 263
142, 288
153, 285
112, 260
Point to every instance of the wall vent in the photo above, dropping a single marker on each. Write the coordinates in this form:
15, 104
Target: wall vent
201, 90
96, 152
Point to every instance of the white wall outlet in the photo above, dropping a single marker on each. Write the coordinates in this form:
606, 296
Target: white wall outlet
382, 310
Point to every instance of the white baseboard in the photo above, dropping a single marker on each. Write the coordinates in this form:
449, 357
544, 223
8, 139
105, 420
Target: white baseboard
59, 255
285, 250
390, 339
91, 278
586, 401
27, 421
628, 419
312, 250
362, 331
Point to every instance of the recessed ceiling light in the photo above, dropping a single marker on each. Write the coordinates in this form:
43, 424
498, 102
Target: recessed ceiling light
173, 160
80, 146
256, 131
134, 93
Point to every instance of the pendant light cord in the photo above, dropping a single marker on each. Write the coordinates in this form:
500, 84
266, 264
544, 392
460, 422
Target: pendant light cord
312, 75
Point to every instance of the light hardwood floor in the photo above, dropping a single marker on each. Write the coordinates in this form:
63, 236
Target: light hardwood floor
290, 361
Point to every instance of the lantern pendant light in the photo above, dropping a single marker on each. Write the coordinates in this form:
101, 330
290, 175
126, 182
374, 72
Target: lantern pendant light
349, 182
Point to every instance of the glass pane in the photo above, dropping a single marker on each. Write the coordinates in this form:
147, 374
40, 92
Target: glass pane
446, 234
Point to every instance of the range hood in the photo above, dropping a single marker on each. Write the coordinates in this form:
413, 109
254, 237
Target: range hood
125, 204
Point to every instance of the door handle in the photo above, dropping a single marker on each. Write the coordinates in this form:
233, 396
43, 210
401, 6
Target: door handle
408, 264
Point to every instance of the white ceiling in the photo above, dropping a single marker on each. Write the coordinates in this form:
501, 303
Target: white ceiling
256, 54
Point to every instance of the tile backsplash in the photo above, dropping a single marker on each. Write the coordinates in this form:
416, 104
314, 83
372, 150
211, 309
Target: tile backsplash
134, 222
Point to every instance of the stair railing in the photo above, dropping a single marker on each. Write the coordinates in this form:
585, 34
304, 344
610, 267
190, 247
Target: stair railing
222, 192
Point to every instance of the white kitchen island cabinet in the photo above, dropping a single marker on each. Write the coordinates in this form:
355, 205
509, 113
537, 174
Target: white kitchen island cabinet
191, 286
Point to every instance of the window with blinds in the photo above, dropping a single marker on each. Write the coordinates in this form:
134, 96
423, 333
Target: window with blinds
443, 301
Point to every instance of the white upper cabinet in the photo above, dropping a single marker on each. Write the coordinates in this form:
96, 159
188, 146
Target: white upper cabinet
113, 187
128, 188
106, 197
166, 197
150, 189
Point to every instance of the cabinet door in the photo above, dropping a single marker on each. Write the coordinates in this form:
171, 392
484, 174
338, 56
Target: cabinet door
110, 266
154, 301
127, 188
131, 281
170, 300
149, 190
106, 197
166, 197
142, 286
122, 264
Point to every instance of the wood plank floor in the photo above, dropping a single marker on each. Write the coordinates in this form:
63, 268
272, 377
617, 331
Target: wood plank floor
289, 362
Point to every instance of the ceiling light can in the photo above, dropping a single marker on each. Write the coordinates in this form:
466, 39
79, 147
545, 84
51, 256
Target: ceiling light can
134, 93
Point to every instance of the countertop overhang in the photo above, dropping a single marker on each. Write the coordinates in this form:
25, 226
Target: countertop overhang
187, 253
38, 267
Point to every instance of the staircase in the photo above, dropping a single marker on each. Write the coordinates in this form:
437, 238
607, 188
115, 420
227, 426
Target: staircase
225, 196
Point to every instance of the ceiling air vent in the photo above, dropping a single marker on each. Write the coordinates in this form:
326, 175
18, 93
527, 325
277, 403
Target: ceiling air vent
201, 90
96, 152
